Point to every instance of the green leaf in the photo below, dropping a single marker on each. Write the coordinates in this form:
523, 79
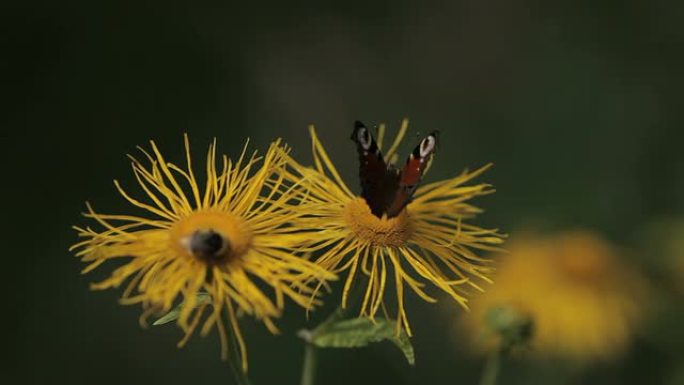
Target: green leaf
358, 332
202, 298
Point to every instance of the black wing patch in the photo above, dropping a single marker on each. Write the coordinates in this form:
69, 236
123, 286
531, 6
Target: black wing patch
377, 178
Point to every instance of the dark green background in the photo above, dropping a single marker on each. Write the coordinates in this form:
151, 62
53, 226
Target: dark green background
578, 103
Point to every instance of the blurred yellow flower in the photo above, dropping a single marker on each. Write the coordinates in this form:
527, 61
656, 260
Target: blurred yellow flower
227, 239
429, 242
583, 301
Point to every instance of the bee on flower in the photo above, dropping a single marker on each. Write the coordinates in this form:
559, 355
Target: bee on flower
226, 237
396, 234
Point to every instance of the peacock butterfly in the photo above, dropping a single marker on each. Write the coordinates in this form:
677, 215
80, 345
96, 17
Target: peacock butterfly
386, 188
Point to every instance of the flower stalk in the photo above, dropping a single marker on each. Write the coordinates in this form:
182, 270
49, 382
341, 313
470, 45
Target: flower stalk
491, 368
310, 362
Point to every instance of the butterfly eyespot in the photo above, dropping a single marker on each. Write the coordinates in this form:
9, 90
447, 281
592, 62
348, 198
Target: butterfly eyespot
364, 138
427, 146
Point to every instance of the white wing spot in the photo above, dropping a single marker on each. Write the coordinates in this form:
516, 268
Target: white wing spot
427, 146
364, 138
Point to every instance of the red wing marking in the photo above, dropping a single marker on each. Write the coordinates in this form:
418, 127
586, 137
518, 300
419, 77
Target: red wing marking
412, 173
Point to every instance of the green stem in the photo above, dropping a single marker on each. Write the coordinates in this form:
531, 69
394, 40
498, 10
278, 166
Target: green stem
491, 369
310, 350
234, 359
309, 367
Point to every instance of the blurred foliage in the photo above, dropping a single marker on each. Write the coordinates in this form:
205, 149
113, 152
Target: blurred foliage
513, 327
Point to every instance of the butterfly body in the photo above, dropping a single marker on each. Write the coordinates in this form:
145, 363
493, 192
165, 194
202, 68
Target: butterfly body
386, 188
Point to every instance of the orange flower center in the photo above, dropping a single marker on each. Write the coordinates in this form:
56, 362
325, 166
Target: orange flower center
211, 237
383, 231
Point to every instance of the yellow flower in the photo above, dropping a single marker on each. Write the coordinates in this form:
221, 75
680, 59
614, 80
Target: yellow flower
226, 239
427, 243
583, 301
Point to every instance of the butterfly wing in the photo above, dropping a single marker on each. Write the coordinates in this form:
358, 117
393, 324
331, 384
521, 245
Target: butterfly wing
376, 179
412, 173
